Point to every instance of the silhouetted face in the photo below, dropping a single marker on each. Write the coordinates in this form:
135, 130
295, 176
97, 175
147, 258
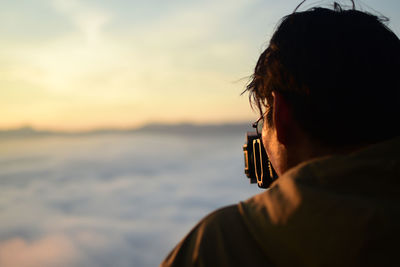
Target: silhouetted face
276, 151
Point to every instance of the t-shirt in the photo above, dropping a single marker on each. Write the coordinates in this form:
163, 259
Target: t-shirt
339, 210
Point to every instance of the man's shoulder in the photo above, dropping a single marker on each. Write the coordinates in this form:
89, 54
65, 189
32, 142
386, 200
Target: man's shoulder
220, 239
221, 216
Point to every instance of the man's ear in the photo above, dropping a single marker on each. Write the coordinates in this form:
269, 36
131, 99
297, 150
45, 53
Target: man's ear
283, 119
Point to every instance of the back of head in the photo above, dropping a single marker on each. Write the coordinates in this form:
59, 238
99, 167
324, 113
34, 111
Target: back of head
338, 69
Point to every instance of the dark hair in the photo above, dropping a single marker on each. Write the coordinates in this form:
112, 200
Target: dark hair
339, 71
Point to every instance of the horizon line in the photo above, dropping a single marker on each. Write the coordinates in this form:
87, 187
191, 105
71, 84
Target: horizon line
32, 128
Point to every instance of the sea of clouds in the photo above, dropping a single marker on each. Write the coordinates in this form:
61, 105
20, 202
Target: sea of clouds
111, 200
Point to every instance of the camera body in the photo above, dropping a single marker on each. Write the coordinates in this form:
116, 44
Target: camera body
257, 166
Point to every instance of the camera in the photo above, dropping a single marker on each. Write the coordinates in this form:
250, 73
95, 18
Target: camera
257, 166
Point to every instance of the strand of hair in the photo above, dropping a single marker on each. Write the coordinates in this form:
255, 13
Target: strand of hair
297, 7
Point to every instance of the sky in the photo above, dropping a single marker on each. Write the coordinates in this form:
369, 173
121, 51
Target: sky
78, 65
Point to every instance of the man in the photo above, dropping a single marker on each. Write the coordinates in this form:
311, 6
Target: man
329, 92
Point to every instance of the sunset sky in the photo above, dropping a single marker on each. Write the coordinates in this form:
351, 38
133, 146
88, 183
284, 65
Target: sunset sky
76, 65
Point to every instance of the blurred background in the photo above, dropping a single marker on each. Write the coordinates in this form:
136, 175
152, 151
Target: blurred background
122, 123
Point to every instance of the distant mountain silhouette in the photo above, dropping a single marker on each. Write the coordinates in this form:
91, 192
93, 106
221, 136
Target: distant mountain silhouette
154, 128
25, 131
187, 128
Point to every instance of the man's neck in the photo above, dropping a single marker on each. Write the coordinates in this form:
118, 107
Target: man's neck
306, 150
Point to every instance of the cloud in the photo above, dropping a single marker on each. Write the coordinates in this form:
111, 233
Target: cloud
122, 200
55, 250
89, 20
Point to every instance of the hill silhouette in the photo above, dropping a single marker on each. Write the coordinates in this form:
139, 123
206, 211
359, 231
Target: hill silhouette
153, 128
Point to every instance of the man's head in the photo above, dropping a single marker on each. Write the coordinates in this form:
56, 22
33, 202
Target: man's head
334, 75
